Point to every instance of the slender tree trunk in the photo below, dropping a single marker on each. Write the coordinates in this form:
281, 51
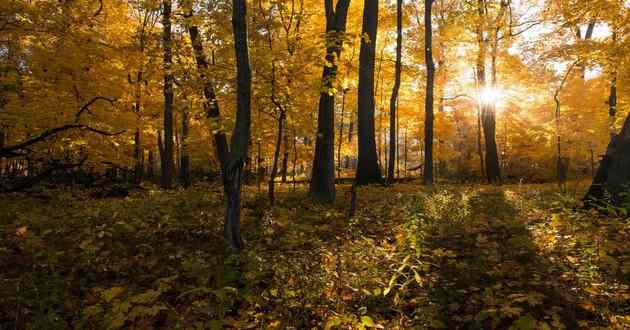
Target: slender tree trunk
139, 166
368, 170
233, 167
160, 144
276, 156
184, 163
167, 170
341, 123
285, 159
211, 105
428, 104
612, 97
295, 156
322, 187
138, 152
151, 166
393, 102
482, 164
2, 144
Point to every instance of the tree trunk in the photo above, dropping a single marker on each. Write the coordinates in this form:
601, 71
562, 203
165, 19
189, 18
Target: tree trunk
184, 163
138, 152
233, 168
151, 166
612, 178
368, 170
488, 119
210, 105
276, 156
285, 159
167, 170
322, 187
343, 108
428, 104
139, 166
160, 144
393, 102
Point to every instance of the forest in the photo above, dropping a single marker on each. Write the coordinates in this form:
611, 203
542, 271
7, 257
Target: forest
315, 164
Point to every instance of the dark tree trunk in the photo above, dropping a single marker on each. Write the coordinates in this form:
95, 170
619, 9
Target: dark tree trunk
341, 124
276, 156
285, 159
488, 118
233, 168
210, 105
482, 164
393, 102
2, 144
160, 144
151, 165
138, 152
322, 187
613, 175
428, 103
167, 169
368, 170
138, 159
184, 163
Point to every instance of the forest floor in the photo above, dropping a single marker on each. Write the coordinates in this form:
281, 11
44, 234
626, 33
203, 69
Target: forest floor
474, 256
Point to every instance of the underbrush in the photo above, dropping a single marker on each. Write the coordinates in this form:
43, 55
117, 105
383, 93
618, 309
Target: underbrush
520, 257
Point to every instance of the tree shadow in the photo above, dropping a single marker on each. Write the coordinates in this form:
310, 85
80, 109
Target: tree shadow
487, 272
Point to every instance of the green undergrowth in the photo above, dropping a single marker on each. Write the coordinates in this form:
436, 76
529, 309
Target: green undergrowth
467, 257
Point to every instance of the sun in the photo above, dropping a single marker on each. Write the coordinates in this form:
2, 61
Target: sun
489, 95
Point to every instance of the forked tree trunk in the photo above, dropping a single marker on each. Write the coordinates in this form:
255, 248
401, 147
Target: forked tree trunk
428, 104
368, 170
233, 168
322, 187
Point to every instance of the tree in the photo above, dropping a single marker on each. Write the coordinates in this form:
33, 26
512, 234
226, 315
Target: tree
168, 155
210, 104
322, 186
428, 103
488, 109
368, 170
233, 168
393, 141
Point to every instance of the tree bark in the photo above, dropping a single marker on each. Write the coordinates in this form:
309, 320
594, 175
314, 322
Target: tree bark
233, 168
428, 104
612, 178
184, 163
285, 159
368, 170
167, 170
322, 186
211, 105
393, 102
